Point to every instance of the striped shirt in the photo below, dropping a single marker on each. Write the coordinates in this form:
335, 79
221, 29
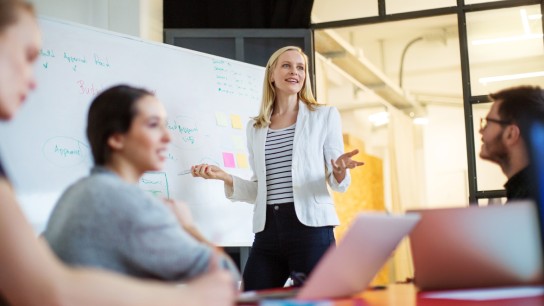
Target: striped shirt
278, 159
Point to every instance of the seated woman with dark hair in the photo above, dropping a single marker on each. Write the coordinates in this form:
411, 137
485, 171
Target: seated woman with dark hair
105, 220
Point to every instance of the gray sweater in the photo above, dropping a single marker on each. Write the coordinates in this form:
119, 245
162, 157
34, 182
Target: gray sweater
105, 222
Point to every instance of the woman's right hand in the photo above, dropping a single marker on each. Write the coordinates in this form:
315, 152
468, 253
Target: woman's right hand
210, 172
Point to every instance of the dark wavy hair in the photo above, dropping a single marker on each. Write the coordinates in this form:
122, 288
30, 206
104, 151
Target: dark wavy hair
112, 111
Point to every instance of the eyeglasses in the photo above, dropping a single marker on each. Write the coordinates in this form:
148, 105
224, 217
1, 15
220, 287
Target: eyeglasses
485, 121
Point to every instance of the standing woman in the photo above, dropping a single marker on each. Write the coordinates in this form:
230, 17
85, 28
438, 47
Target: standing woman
29, 272
295, 148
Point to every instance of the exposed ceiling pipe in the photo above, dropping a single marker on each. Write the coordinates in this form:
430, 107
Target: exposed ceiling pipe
441, 37
401, 69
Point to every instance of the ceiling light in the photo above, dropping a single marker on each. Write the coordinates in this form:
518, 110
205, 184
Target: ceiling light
511, 77
506, 39
535, 16
421, 120
525, 21
379, 119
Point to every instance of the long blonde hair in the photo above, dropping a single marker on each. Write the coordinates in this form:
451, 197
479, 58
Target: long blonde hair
269, 92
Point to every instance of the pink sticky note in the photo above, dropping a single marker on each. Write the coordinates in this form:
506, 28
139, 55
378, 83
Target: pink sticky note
228, 160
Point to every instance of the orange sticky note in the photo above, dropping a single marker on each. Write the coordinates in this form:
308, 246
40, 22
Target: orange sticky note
236, 121
241, 160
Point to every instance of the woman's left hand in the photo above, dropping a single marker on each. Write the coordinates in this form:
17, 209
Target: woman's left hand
343, 163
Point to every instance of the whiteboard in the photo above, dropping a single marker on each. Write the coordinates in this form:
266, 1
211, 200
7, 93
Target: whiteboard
208, 99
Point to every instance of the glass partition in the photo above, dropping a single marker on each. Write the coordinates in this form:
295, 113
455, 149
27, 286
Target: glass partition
424, 53
421, 58
402, 6
505, 48
328, 10
481, 1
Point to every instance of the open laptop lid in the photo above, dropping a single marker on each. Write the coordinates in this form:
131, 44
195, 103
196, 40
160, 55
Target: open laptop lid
477, 247
348, 268
536, 150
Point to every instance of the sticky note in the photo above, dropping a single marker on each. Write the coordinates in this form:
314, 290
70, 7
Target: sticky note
236, 121
241, 160
221, 119
238, 142
228, 160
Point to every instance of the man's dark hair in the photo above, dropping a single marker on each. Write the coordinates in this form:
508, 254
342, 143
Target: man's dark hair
520, 105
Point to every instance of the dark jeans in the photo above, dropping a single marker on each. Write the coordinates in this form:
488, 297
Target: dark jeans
285, 245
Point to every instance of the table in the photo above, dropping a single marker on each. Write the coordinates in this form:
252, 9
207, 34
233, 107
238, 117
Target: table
408, 295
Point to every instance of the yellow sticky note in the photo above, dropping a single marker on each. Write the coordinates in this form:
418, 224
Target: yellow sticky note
221, 119
241, 161
236, 121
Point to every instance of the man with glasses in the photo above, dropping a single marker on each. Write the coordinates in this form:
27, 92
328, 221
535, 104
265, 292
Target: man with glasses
504, 133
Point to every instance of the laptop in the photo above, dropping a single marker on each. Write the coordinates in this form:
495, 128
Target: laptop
470, 247
536, 150
348, 268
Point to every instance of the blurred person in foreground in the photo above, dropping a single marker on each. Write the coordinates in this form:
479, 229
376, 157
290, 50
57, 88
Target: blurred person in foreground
31, 274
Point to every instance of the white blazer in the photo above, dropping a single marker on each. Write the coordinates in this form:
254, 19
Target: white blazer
318, 139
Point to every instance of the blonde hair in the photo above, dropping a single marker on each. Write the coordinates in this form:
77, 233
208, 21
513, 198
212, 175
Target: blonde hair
269, 92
